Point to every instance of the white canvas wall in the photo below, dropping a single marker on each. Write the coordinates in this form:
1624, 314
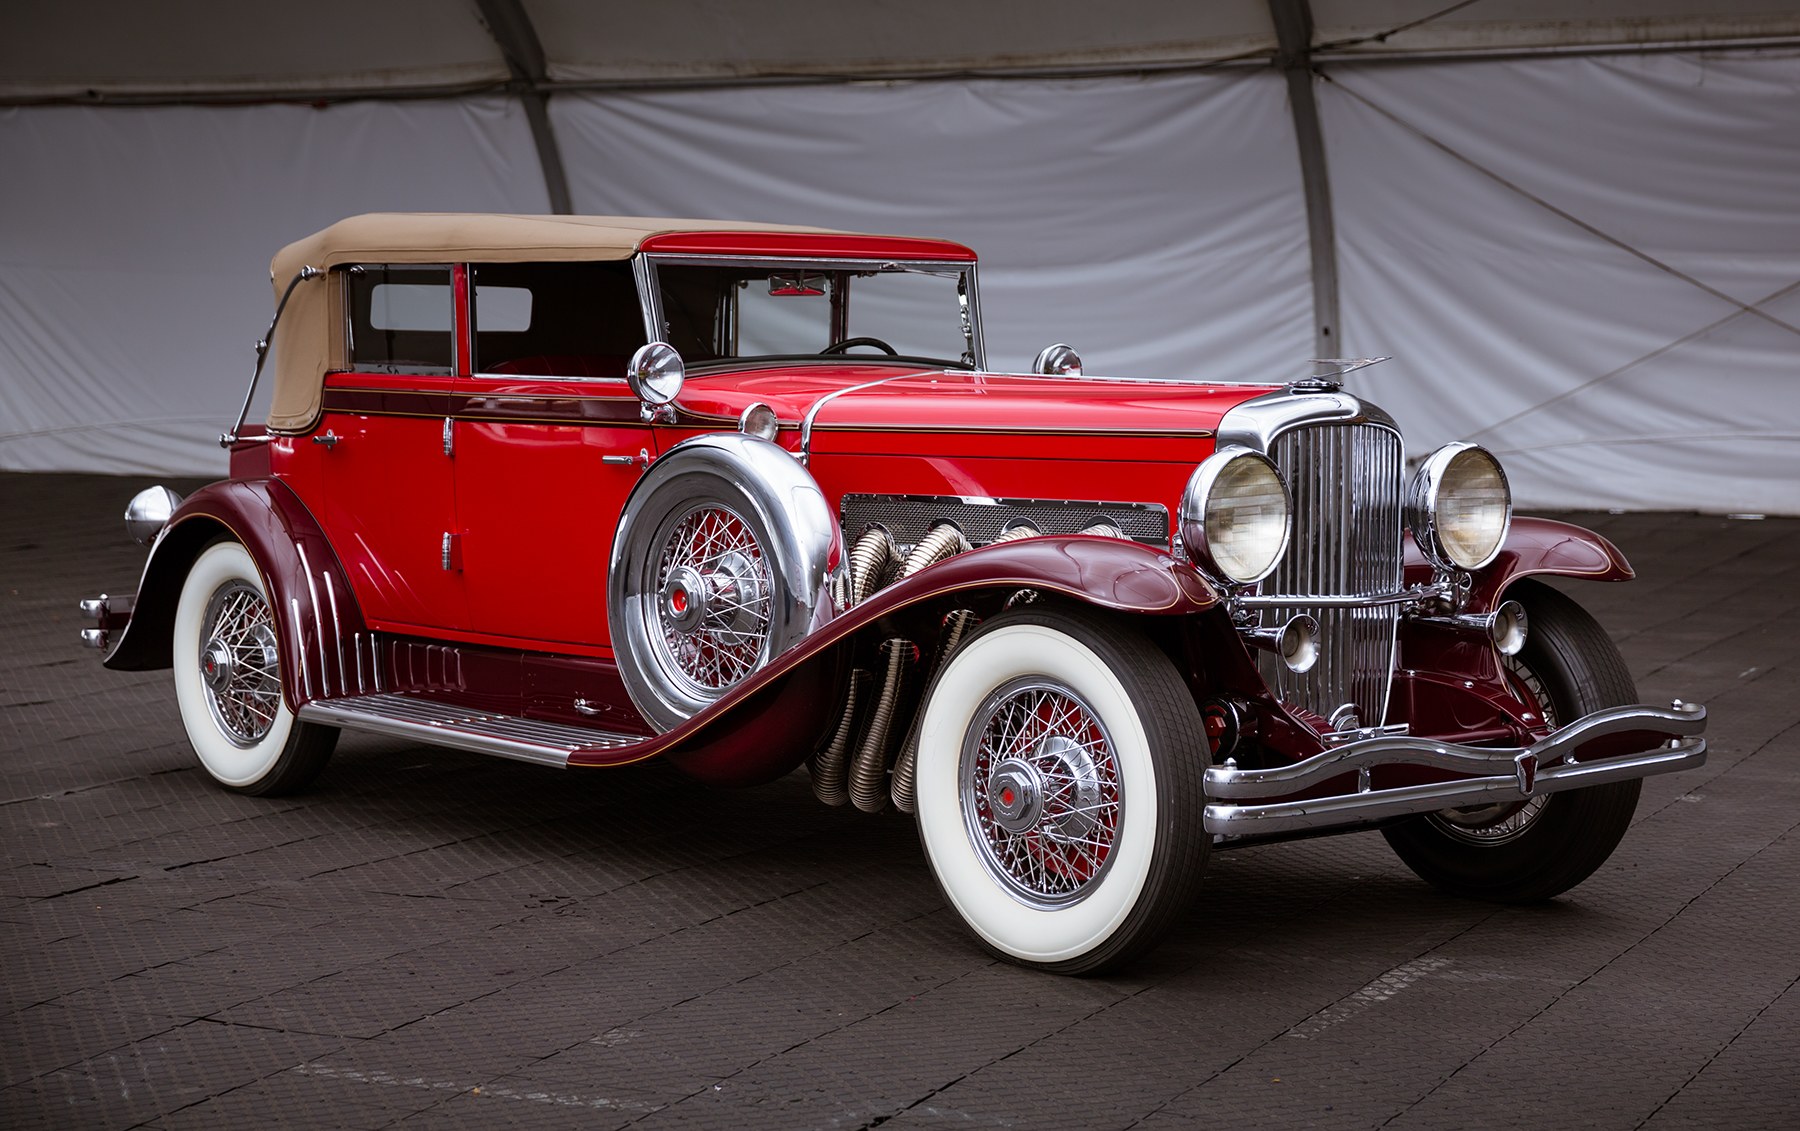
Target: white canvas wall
135, 247
1156, 223
1559, 254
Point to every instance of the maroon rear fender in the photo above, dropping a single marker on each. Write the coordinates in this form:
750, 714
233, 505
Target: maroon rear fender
318, 624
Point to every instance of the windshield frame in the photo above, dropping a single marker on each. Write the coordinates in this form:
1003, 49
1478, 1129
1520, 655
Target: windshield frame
645, 266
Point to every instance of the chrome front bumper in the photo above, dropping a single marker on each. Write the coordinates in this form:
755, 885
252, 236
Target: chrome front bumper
1500, 773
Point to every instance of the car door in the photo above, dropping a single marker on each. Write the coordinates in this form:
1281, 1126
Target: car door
548, 443
387, 489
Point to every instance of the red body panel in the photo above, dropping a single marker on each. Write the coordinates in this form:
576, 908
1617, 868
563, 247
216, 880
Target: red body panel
385, 490
825, 245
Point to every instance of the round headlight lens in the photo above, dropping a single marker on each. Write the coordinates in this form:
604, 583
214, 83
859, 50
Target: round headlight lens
1459, 507
1235, 515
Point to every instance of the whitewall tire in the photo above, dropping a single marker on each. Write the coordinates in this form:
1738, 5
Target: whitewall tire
1059, 789
228, 680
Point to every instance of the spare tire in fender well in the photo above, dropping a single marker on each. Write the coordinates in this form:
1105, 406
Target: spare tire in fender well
722, 561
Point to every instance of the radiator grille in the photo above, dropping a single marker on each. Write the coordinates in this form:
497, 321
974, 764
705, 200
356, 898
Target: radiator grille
1345, 480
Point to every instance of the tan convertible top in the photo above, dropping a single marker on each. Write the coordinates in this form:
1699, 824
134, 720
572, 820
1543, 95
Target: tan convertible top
305, 339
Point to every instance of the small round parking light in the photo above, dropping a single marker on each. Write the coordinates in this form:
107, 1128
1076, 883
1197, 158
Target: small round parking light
759, 420
656, 373
1459, 507
1236, 516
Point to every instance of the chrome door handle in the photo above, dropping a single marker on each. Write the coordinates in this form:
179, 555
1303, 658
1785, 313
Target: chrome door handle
642, 459
328, 438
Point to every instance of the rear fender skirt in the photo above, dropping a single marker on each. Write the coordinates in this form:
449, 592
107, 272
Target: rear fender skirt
320, 629
1108, 573
1533, 546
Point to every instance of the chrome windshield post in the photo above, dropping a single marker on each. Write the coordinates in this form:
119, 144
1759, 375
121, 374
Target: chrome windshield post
227, 439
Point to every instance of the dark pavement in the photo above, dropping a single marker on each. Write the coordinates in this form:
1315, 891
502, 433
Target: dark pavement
434, 939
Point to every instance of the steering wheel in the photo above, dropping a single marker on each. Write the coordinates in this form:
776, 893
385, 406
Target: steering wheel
845, 346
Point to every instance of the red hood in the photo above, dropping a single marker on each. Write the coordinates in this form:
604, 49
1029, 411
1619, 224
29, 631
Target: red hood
1161, 419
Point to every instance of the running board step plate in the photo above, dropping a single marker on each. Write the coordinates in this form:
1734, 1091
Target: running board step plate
448, 724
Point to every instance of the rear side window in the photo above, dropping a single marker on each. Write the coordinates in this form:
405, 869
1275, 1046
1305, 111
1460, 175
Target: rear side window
400, 319
567, 320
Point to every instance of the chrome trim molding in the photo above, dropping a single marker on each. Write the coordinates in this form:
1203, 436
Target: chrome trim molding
1503, 773
812, 413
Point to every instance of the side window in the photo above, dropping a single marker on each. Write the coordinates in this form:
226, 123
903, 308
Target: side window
555, 319
399, 319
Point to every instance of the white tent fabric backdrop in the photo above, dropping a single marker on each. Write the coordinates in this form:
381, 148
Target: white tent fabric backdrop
1559, 252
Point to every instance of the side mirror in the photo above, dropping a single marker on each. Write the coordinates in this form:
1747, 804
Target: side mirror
1059, 360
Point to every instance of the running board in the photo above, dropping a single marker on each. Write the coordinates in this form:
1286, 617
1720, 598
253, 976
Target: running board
450, 724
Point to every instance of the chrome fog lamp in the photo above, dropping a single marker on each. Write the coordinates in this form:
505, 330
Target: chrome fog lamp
1459, 507
1508, 628
1236, 515
1058, 360
1296, 642
759, 420
656, 373
149, 511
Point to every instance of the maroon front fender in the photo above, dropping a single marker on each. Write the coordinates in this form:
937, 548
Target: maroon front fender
1535, 545
317, 621
1127, 577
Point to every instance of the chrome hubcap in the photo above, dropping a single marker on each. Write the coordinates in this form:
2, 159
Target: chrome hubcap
714, 604
1040, 792
240, 666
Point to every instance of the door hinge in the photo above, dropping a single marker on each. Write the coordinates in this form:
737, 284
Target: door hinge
452, 551
450, 436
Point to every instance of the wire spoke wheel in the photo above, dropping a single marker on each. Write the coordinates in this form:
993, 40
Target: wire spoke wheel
1041, 792
1059, 790
240, 667
228, 680
713, 609
1537, 847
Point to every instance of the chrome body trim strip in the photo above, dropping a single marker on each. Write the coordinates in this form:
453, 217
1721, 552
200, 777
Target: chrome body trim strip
1502, 772
312, 590
447, 724
1411, 595
337, 634
812, 413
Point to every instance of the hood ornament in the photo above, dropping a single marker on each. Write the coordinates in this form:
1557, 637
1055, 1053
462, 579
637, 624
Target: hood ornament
1328, 377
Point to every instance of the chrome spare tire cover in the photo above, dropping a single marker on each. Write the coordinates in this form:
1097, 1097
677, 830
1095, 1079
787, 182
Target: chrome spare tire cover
722, 562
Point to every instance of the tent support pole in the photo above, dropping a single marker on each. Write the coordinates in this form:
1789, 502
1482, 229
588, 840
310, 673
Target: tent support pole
1293, 34
511, 27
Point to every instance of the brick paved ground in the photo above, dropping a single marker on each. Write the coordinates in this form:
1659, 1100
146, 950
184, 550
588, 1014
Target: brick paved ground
434, 939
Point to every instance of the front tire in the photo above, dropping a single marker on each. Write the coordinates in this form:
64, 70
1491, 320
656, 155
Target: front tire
1059, 790
1542, 847
228, 681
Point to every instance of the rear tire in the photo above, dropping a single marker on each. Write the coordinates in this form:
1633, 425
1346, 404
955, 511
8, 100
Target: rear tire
1059, 790
1530, 851
228, 681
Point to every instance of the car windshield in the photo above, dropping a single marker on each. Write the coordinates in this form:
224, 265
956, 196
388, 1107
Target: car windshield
716, 311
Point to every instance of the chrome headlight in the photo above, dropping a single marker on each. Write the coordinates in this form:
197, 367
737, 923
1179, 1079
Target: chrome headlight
655, 373
1236, 515
1459, 507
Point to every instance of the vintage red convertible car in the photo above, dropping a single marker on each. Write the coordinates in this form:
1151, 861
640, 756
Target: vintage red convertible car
583, 491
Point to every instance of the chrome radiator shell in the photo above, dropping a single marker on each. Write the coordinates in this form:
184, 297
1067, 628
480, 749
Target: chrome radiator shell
1344, 463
